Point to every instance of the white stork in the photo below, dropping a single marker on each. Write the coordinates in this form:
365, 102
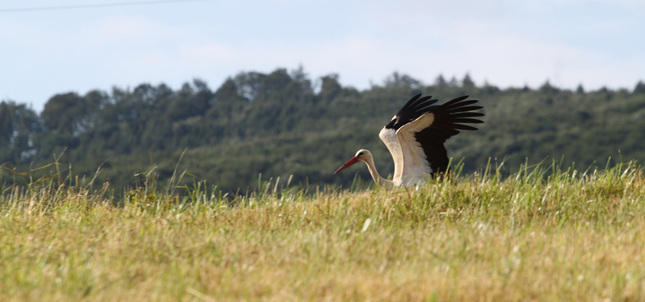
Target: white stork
415, 138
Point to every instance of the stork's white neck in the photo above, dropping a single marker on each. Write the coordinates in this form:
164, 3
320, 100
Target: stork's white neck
369, 161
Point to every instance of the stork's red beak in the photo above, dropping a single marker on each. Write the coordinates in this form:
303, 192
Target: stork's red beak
350, 162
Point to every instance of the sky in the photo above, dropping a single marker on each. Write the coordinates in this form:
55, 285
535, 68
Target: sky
57, 46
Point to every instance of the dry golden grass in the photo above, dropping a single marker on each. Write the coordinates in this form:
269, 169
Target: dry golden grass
566, 237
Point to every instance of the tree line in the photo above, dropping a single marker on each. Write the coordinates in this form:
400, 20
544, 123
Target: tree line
285, 124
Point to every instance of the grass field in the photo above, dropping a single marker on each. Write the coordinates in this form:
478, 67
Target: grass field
541, 234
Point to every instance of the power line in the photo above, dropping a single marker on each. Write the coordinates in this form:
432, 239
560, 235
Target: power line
98, 5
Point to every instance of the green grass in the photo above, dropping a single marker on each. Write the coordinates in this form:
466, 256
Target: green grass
544, 234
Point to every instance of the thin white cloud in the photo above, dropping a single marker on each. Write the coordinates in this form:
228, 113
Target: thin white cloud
126, 30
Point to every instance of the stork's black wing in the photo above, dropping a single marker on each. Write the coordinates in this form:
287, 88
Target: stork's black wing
413, 109
449, 118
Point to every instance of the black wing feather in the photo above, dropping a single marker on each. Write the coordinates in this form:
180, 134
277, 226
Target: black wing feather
463, 127
467, 114
453, 101
468, 120
465, 108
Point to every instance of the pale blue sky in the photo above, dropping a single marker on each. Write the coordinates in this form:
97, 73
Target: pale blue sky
506, 43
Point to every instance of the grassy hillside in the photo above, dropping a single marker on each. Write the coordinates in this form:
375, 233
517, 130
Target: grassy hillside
542, 234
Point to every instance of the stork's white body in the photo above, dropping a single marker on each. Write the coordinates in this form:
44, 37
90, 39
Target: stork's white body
415, 138
410, 163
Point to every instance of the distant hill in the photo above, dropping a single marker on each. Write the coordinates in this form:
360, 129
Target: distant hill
284, 124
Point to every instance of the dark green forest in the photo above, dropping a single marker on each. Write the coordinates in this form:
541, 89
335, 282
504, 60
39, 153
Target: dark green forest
288, 125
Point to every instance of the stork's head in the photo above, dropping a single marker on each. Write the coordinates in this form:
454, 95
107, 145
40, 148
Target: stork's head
361, 155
